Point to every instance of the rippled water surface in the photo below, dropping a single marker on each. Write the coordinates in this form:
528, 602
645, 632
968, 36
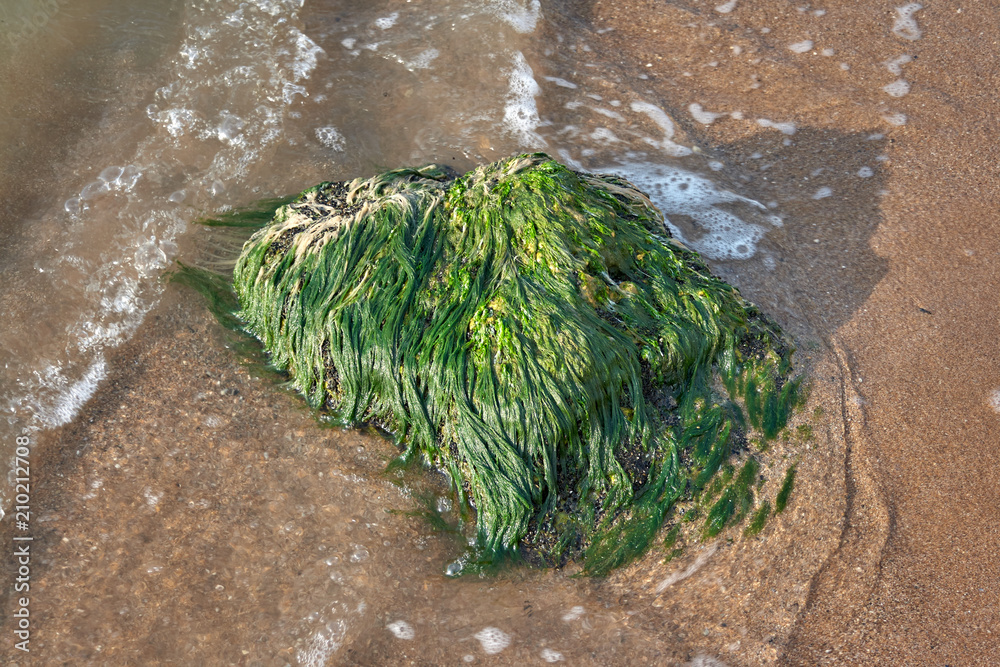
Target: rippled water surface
164, 112
122, 123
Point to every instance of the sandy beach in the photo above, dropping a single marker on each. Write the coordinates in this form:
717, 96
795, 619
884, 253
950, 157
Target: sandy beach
194, 512
914, 579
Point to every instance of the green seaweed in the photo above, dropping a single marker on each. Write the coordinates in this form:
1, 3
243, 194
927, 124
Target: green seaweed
216, 291
735, 500
670, 541
256, 216
718, 483
430, 512
759, 519
531, 331
785, 491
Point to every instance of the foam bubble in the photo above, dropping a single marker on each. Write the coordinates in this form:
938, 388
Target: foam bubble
150, 257
521, 112
112, 178
130, 176
726, 7
72, 395
895, 66
359, 554
401, 630
493, 640
894, 118
682, 193
658, 116
111, 174
387, 22
307, 53
801, 47
331, 137
561, 82
785, 128
422, 60
95, 485
152, 497
275, 7
94, 189
827, 52
822, 193
322, 645
994, 400
522, 16
191, 118
229, 128
290, 90
905, 25
897, 88
609, 113
865, 172
176, 121
192, 54
705, 661
573, 614
702, 116
675, 577
604, 135
548, 655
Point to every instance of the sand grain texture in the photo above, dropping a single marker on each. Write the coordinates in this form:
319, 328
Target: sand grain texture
207, 533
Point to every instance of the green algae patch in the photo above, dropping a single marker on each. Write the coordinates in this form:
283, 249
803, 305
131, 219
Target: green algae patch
758, 520
534, 333
786, 491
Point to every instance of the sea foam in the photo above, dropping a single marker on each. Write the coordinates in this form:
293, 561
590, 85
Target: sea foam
677, 192
905, 26
217, 113
520, 111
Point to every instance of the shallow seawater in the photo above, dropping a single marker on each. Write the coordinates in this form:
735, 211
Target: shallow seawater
169, 111
142, 117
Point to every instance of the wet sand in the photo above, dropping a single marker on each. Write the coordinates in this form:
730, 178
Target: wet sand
196, 546
915, 578
196, 514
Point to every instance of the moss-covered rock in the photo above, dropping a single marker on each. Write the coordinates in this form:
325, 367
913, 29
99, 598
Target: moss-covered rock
530, 330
